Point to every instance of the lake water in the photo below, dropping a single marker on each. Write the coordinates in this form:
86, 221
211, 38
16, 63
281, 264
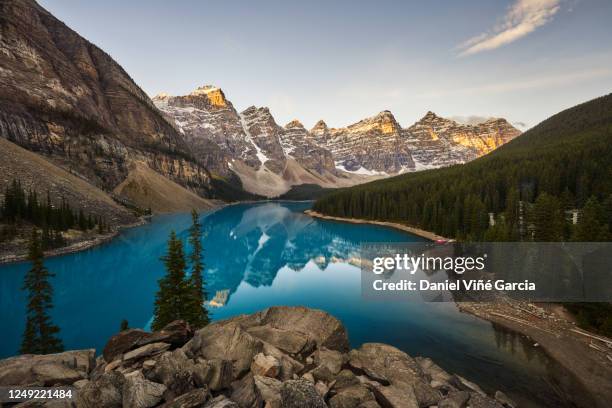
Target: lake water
271, 254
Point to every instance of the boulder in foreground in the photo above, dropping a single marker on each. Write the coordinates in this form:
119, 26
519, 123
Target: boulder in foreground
281, 357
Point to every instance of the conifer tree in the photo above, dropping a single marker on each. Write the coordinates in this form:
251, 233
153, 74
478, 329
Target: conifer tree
171, 302
198, 313
40, 335
590, 226
548, 219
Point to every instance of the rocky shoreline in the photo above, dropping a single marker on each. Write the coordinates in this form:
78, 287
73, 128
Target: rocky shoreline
412, 230
586, 358
281, 357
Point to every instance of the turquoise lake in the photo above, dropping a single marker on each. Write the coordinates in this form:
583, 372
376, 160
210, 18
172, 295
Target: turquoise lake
272, 254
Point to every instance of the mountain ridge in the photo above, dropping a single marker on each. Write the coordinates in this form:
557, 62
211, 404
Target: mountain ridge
374, 147
67, 99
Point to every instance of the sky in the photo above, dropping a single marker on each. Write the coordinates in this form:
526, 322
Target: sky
342, 61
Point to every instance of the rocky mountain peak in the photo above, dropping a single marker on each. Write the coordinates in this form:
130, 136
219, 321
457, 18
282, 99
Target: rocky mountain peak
384, 121
215, 95
162, 96
261, 112
429, 116
319, 126
294, 124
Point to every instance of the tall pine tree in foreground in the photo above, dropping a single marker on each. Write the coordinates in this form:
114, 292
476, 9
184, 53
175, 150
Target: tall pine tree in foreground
172, 300
198, 315
40, 335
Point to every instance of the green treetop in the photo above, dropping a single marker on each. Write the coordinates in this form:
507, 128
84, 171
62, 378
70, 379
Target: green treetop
171, 302
40, 335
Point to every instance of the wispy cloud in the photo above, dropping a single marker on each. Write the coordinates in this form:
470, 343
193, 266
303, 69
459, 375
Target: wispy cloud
522, 18
538, 82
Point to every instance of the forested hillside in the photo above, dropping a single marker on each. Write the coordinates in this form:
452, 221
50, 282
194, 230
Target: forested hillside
524, 190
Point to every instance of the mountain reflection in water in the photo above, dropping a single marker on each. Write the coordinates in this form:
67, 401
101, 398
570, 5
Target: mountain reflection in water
264, 254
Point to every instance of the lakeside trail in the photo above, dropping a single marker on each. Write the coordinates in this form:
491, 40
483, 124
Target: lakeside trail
587, 357
412, 230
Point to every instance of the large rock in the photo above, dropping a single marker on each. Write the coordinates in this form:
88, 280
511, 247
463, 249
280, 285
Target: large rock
328, 364
388, 365
505, 400
455, 399
345, 378
245, 392
300, 394
384, 363
481, 401
146, 351
324, 329
193, 399
266, 366
122, 342
216, 374
46, 370
288, 365
221, 402
394, 396
352, 396
138, 392
226, 341
176, 333
269, 390
288, 341
434, 371
176, 371
105, 392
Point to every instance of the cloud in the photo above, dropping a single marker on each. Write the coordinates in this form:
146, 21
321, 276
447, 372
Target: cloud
470, 120
539, 82
522, 18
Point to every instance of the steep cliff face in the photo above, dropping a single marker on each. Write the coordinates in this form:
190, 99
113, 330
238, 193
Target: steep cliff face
67, 99
209, 124
297, 142
267, 158
438, 142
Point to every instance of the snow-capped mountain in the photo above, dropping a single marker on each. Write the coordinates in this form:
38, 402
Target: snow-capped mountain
437, 142
373, 146
269, 159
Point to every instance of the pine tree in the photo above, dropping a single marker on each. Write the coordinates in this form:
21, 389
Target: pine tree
172, 299
198, 313
40, 335
590, 226
548, 219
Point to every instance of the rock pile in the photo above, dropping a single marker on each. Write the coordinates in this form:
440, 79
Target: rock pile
281, 357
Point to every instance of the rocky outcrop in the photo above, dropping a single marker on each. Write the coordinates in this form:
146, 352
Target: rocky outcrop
67, 99
371, 146
437, 142
281, 357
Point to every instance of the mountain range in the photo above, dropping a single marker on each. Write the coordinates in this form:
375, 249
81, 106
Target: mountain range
69, 102
269, 158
